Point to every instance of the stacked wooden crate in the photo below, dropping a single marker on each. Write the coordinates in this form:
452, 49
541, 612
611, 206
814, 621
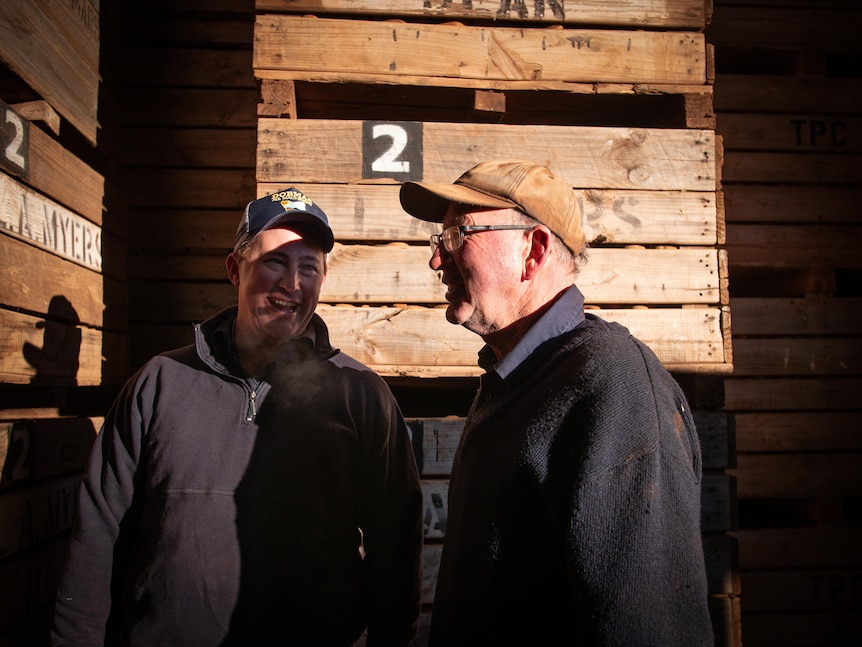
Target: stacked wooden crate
357, 97
788, 97
57, 344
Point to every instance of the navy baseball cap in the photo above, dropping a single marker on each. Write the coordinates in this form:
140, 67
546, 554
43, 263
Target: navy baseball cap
282, 208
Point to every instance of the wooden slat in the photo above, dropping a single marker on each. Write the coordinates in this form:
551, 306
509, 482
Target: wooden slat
29, 216
793, 132
793, 168
763, 476
799, 431
803, 245
190, 188
803, 93
798, 548
784, 394
792, 204
29, 516
29, 583
802, 629
57, 173
33, 350
815, 315
373, 212
188, 147
667, 14
54, 47
715, 505
786, 28
309, 150
74, 293
793, 590
179, 67
287, 43
793, 356
419, 341
190, 107
40, 449
399, 273
439, 437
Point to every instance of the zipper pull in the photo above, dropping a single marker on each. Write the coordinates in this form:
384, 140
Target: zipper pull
252, 407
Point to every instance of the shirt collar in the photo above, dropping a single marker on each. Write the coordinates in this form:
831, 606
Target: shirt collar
564, 315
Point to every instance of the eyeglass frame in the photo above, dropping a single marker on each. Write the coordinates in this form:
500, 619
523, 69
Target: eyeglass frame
437, 239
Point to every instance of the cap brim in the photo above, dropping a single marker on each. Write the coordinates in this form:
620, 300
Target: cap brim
312, 222
430, 200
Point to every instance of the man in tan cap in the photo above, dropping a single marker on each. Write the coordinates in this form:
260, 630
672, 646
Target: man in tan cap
574, 501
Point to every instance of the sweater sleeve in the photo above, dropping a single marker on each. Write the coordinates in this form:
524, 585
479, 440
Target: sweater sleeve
393, 533
105, 497
635, 555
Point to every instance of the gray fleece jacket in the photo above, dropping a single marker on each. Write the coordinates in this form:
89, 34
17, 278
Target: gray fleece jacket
219, 510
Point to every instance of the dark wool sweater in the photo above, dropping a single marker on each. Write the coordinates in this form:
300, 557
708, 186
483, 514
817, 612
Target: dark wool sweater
219, 510
574, 504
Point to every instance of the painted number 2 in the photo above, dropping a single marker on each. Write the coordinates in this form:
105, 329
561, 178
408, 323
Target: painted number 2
388, 162
392, 150
14, 141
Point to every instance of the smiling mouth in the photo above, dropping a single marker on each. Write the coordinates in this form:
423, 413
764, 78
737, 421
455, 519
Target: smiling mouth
287, 306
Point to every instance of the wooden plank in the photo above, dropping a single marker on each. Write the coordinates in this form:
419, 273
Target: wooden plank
57, 173
786, 28
38, 351
794, 356
793, 132
186, 67
188, 147
814, 315
399, 273
783, 394
667, 14
803, 629
791, 245
437, 439
190, 188
65, 291
359, 212
793, 168
29, 583
808, 93
40, 449
30, 516
54, 48
792, 204
792, 590
190, 107
764, 476
420, 342
811, 431
309, 150
28, 216
287, 43
799, 548
715, 509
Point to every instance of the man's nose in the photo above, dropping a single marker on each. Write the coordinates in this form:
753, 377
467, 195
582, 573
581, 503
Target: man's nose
436, 261
290, 280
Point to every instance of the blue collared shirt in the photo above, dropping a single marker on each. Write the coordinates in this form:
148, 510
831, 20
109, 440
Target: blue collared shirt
564, 315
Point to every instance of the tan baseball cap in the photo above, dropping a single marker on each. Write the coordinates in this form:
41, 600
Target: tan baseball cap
500, 184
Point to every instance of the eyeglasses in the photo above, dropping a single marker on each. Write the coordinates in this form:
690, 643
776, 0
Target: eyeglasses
453, 237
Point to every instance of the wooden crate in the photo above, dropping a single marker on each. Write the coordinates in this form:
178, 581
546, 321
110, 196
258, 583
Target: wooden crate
788, 106
625, 114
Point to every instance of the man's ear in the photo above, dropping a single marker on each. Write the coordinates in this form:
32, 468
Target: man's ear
231, 263
538, 251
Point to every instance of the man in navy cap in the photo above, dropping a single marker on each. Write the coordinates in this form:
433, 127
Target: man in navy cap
255, 488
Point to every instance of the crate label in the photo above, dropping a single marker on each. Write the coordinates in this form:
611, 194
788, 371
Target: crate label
392, 149
30, 216
14, 142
